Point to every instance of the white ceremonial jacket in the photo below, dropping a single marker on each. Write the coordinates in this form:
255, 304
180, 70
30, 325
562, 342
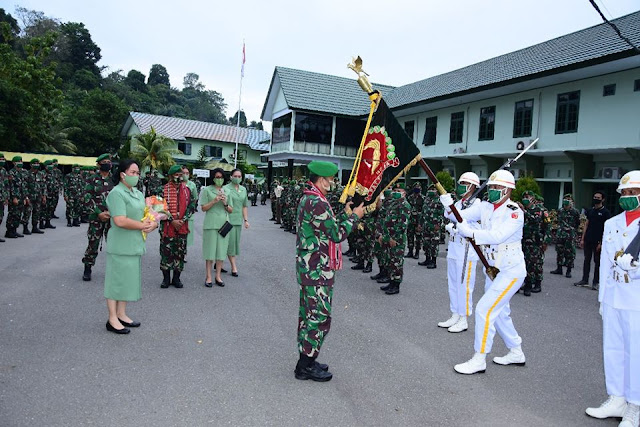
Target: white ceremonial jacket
500, 234
619, 288
457, 243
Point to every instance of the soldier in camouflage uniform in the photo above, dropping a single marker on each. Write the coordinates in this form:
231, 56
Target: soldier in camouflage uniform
95, 200
533, 240
73, 190
52, 192
431, 225
264, 194
155, 184
568, 223
394, 237
174, 231
284, 196
317, 258
273, 199
18, 198
57, 178
4, 189
145, 182
378, 252
414, 238
36, 187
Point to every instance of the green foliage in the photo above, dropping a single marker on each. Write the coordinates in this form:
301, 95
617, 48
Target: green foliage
527, 183
446, 180
233, 120
158, 75
256, 125
153, 150
135, 80
203, 159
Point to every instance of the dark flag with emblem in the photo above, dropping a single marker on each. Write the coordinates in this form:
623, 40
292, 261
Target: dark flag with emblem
386, 154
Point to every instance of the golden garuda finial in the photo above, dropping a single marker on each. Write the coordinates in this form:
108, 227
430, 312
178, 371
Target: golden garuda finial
363, 81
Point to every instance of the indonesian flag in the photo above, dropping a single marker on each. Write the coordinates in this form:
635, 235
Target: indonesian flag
244, 58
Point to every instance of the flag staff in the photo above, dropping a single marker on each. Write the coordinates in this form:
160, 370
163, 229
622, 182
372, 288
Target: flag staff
235, 154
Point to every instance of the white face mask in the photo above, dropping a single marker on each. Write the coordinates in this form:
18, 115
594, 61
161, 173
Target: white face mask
327, 188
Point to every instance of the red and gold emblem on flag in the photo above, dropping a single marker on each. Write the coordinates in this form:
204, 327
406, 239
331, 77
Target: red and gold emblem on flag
378, 154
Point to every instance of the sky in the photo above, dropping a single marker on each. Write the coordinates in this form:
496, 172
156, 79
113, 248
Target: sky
400, 41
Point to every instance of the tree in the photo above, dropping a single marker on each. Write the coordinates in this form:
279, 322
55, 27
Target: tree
135, 80
79, 50
446, 180
158, 75
192, 81
527, 183
203, 159
153, 150
233, 120
14, 28
256, 125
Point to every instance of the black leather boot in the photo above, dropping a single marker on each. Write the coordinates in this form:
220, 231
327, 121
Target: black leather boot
416, 254
385, 287
358, 266
166, 280
86, 276
69, 224
568, 273
527, 287
49, 225
35, 229
25, 230
176, 279
537, 287
557, 270
76, 222
394, 288
380, 274
432, 263
11, 234
308, 369
368, 268
384, 279
409, 254
425, 262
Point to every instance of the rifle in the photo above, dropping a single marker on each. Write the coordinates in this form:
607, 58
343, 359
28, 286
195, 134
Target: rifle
507, 165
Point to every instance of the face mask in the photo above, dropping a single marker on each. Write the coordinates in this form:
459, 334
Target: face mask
2, 162
387, 194
49, 168
35, 167
396, 195
461, 189
235, 180
185, 178
218, 182
431, 194
19, 165
566, 203
494, 195
596, 201
416, 190
131, 181
105, 167
76, 171
526, 202
629, 203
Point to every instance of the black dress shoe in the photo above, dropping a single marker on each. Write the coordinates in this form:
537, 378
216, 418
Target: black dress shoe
581, 283
54, 216
86, 276
208, 284
385, 279
133, 324
568, 273
358, 266
314, 373
425, 262
221, 284
1, 240
234, 273
322, 366
122, 331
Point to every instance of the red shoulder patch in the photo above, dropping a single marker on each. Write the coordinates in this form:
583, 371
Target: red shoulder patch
514, 215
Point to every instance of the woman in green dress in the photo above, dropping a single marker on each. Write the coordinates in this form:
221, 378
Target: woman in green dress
238, 218
125, 246
217, 206
194, 196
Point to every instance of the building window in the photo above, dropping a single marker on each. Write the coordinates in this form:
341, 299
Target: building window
348, 136
457, 126
567, 112
523, 119
609, 90
636, 86
430, 131
213, 151
487, 123
185, 147
313, 128
408, 128
281, 129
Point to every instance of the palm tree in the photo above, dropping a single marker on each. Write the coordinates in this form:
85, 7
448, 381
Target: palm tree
58, 140
153, 150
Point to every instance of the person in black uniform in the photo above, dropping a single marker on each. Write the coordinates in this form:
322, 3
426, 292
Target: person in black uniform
591, 240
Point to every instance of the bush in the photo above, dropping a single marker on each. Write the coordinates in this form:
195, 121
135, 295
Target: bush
528, 183
446, 180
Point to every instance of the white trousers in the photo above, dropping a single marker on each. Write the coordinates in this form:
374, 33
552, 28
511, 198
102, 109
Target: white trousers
493, 313
461, 288
621, 350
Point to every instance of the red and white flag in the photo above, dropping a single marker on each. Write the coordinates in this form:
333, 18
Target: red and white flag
243, 60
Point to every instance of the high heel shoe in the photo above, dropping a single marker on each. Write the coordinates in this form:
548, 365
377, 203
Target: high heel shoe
117, 331
234, 273
221, 283
133, 324
208, 284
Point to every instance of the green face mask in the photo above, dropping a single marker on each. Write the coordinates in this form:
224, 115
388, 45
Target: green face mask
566, 202
236, 180
131, 181
49, 168
526, 202
629, 203
2, 163
218, 182
19, 165
431, 194
387, 194
35, 167
494, 195
461, 189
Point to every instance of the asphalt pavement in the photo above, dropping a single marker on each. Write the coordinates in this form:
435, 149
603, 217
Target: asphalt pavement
225, 356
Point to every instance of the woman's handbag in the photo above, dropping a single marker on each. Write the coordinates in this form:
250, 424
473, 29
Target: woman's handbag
225, 229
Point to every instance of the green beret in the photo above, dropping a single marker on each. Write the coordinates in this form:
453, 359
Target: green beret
75, 165
529, 193
2, 155
54, 161
400, 185
175, 169
17, 159
34, 161
105, 156
48, 162
324, 169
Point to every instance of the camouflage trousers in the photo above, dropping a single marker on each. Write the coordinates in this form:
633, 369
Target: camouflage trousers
27, 212
52, 204
395, 260
414, 238
14, 213
534, 261
314, 318
566, 251
96, 230
173, 250
367, 246
1, 211
74, 208
380, 253
274, 210
430, 242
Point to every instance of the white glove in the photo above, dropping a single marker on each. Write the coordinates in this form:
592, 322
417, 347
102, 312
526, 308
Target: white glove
600, 310
446, 200
451, 229
464, 229
627, 263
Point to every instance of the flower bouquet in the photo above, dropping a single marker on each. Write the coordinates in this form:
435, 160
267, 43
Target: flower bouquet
155, 210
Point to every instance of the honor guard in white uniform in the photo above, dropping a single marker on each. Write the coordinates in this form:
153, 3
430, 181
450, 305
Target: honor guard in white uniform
500, 235
620, 307
461, 261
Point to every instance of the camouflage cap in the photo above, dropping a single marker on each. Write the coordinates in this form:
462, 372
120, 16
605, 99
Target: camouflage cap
324, 169
16, 159
175, 169
105, 156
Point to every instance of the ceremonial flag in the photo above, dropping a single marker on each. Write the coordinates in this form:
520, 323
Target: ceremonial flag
386, 153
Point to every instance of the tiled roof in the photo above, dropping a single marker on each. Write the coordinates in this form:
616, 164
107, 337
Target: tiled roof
306, 90
180, 129
569, 50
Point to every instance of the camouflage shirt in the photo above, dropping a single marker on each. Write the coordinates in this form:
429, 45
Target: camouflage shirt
316, 227
533, 231
4, 185
17, 184
73, 185
416, 200
395, 221
432, 214
568, 223
96, 192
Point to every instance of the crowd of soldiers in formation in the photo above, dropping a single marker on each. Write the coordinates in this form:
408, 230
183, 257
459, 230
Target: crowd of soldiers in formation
416, 222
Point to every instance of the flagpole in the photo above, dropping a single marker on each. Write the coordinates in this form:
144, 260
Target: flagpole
235, 156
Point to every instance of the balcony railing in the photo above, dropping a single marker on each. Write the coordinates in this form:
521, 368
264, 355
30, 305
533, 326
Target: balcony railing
280, 146
341, 150
311, 147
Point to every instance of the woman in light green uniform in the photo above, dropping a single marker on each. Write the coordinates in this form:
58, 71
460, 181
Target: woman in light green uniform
125, 247
237, 218
217, 205
194, 196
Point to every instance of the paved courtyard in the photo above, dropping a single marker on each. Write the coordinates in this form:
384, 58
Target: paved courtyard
225, 356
